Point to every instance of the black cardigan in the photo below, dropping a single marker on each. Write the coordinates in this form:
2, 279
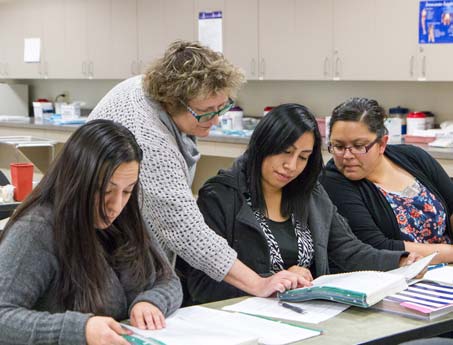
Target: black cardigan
225, 210
369, 214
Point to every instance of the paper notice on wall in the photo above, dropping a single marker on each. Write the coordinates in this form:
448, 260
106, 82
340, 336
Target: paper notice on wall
210, 30
32, 50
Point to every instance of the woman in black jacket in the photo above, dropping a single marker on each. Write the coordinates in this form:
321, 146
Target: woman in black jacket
273, 212
395, 197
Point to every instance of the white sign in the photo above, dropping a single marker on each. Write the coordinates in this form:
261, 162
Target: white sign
210, 30
32, 50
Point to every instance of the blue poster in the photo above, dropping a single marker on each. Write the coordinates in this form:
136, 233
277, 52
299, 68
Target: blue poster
435, 19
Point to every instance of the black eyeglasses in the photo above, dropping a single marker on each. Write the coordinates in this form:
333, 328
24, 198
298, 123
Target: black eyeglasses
208, 116
340, 150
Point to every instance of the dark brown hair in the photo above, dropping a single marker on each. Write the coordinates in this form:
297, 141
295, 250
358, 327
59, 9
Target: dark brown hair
76, 179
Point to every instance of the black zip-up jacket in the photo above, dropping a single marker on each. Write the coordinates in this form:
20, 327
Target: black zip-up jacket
224, 207
369, 214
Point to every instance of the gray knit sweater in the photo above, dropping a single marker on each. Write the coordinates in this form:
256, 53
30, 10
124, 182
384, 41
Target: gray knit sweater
169, 206
29, 311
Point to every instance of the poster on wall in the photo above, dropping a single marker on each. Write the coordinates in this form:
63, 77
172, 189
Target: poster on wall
210, 30
435, 22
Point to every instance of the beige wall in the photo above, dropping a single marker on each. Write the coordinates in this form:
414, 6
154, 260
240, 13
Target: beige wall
322, 96
319, 96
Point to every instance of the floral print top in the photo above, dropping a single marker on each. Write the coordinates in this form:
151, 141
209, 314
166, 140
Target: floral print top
420, 217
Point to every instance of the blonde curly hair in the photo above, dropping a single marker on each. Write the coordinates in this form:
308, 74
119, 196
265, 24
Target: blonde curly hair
190, 70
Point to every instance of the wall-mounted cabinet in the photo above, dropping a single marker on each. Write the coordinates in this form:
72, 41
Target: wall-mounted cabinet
88, 38
268, 39
19, 22
161, 22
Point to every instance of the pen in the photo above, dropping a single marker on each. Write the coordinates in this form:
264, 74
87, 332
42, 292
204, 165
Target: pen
432, 267
292, 307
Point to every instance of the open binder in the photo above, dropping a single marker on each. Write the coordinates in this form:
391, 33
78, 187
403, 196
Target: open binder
361, 289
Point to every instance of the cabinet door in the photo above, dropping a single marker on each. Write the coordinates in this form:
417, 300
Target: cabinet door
314, 39
23, 23
10, 39
277, 40
53, 40
396, 40
240, 35
436, 62
161, 22
76, 53
354, 35
99, 39
124, 39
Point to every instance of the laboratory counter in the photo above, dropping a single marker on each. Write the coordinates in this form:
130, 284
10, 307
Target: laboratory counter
218, 151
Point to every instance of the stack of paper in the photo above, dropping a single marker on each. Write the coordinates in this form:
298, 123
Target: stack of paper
313, 311
204, 326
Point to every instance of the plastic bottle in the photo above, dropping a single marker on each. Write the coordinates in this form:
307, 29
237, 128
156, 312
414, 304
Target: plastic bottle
401, 113
416, 120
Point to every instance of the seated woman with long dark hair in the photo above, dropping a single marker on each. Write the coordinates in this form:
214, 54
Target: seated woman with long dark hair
76, 256
274, 213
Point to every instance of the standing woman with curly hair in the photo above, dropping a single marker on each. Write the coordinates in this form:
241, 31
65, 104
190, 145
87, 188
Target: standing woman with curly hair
180, 97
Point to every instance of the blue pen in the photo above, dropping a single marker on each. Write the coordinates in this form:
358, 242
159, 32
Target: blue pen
433, 267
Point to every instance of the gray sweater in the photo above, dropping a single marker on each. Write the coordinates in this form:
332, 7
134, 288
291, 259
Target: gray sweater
169, 206
29, 311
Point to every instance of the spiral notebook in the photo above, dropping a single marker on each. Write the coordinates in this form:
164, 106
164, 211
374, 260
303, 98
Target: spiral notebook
361, 289
421, 300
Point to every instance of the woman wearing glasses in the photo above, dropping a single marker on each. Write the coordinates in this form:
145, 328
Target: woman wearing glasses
395, 197
179, 98
272, 210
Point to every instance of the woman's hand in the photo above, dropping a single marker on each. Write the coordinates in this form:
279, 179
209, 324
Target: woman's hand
302, 271
145, 315
281, 281
410, 259
101, 330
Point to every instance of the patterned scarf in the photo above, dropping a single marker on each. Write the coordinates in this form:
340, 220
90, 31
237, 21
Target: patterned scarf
304, 241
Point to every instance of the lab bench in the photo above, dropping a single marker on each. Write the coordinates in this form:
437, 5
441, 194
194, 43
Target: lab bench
218, 151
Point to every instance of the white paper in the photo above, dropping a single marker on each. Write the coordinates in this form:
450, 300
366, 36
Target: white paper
3, 223
441, 275
210, 30
315, 311
412, 270
199, 326
32, 50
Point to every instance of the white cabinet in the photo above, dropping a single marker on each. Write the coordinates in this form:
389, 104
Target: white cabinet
240, 35
159, 23
124, 43
98, 38
295, 39
10, 34
87, 38
21, 20
436, 62
53, 39
239, 29
401, 56
354, 36
275, 40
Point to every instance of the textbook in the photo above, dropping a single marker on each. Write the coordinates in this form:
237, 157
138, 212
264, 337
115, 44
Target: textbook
205, 326
361, 288
423, 299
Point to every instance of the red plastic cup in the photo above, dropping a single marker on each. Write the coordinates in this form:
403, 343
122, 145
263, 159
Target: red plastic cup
22, 179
